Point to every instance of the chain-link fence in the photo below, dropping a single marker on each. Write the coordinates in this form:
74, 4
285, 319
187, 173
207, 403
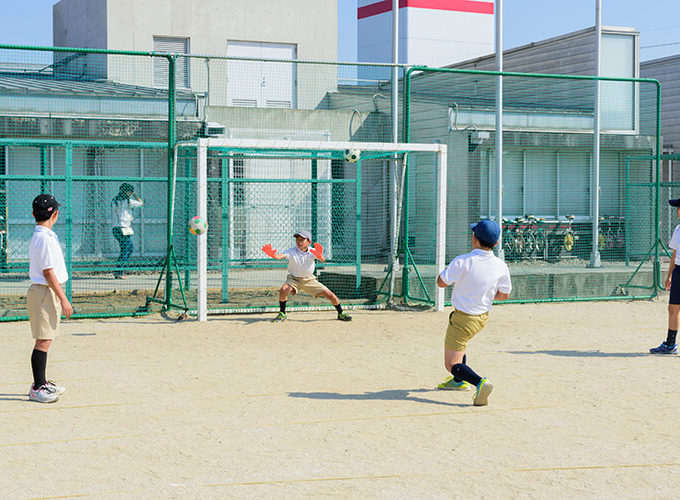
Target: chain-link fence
82, 124
572, 228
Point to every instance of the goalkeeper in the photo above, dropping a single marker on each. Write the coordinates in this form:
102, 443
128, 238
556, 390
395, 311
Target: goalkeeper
301, 273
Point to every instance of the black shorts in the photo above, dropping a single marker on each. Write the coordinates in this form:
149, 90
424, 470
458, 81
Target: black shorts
675, 286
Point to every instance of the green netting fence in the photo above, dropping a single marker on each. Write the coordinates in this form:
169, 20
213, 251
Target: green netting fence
565, 237
81, 122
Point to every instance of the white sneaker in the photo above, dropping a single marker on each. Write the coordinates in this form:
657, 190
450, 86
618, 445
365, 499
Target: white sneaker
59, 389
43, 394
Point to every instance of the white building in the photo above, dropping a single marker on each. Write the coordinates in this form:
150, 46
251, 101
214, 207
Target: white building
431, 32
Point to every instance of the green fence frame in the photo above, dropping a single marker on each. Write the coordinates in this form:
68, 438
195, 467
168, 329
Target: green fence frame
407, 137
171, 145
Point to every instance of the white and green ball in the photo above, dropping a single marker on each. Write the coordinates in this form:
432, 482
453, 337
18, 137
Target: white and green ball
198, 225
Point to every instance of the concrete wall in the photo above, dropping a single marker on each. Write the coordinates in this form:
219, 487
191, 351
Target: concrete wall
209, 25
667, 71
569, 54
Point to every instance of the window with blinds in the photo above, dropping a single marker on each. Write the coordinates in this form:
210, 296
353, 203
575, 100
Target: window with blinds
160, 65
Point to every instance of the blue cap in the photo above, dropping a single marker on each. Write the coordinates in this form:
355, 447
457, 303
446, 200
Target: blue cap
486, 230
674, 203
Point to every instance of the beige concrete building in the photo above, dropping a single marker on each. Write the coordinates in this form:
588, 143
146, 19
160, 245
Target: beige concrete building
268, 29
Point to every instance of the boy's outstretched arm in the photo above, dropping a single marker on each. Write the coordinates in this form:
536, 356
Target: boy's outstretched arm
272, 252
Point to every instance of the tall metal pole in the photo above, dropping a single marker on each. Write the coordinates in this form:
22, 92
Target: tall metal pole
171, 177
394, 164
499, 118
395, 70
595, 260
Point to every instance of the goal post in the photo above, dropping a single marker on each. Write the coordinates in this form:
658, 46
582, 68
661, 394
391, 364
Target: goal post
255, 186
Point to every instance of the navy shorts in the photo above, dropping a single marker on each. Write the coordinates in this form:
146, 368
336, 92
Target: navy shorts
675, 286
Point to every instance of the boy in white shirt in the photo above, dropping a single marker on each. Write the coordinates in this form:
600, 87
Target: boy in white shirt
301, 273
480, 278
672, 283
45, 297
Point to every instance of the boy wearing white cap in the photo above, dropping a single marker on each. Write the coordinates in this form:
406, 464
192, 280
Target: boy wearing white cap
301, 273
480, 278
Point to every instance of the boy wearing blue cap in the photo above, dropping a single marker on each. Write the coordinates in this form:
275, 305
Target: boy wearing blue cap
672, 283
480, 278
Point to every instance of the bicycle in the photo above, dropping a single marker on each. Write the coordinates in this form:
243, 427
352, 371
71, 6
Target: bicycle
601, 239
513, 240
570, 235
539, 238
620, 233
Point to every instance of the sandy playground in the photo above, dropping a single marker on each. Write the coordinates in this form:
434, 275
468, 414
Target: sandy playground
239, 407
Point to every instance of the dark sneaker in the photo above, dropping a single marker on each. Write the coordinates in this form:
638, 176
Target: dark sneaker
664, 349
343, 316
280, 317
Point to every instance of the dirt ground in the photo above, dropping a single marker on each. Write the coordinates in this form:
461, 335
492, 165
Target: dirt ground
239, 407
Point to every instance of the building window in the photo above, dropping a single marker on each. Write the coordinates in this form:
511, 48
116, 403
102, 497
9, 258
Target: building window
262, 84
160, 64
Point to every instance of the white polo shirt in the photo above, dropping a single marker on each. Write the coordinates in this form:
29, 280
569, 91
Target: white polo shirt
45, 253
674, 244
477, 275
300, 264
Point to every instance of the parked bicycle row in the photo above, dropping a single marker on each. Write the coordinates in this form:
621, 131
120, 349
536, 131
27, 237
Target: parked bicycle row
532, 237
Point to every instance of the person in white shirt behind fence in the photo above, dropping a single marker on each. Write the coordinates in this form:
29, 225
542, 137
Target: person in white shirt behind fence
122, 224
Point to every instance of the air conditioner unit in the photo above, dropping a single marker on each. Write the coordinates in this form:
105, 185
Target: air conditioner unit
212, 129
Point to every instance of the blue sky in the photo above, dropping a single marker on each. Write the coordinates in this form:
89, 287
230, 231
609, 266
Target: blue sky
29, 22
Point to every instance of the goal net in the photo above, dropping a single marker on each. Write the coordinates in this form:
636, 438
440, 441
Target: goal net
348, 195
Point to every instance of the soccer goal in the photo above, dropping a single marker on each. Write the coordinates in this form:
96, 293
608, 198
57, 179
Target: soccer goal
348, 195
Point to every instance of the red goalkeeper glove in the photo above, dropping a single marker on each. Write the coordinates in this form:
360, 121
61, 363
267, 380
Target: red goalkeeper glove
317, 251
269, 250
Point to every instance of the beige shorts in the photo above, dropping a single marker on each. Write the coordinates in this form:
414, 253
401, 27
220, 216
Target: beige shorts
310, 285
44, 311
462, 327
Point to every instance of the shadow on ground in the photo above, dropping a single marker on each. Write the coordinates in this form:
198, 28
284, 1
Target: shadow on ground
585, 354
387, 395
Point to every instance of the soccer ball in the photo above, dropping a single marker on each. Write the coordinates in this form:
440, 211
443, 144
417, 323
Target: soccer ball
352, 155
198, 225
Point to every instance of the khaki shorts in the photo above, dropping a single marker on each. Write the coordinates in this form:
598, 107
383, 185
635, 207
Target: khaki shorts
462, 327
44, 311
310, 285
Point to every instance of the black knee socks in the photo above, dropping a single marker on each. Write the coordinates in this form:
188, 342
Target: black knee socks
670, 340
338, 308
464, 372
38, 364
282, 306
464, 362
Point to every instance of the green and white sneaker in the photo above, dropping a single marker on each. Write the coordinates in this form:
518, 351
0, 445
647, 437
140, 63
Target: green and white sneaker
451, 385
484, 388
280, 317
343, 316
